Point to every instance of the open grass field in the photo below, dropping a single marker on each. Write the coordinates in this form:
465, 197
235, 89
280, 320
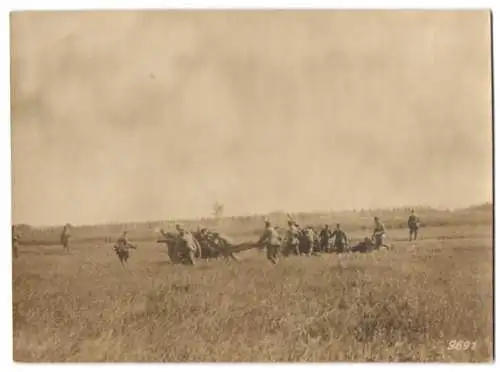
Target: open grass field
405, 304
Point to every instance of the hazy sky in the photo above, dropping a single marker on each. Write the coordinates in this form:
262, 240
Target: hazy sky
131, 116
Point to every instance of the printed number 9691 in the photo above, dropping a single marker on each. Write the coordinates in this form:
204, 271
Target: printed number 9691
461, 345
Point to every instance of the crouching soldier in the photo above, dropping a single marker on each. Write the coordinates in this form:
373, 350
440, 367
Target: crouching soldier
364, 246
379, 234
207, 243
272, 242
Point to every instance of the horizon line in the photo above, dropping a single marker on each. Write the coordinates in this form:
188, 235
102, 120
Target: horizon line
209, 217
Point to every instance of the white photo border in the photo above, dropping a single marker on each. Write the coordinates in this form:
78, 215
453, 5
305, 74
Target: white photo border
6, 362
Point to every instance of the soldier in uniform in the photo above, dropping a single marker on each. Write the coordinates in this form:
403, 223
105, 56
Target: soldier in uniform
272, 242
292, 239
65, 236
15, 242
306, 237
379, 234
187, 246
122, 248
340, 239
170, 239
209, 242
310, 239
186, 236
205, 238
325, 236
413, 225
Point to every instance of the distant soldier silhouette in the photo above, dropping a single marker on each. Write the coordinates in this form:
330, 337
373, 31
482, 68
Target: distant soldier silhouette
292, 239
379, 234
413, 225
272, 242
340, 239
122, 248
15, 242
65, 237
325, 236
309, 240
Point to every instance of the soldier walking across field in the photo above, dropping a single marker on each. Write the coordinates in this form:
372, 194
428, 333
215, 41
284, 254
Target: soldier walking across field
379, 234
413, 225
272, 242
292, 239
65, 237
122, 248
340, 239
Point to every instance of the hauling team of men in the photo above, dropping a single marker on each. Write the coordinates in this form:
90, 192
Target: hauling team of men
184, 247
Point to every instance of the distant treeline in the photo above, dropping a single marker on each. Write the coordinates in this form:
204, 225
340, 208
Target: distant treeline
248, 226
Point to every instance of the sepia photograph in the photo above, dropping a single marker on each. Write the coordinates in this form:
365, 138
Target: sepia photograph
252, 186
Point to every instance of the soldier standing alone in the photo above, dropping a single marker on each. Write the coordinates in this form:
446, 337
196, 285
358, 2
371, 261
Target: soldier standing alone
65, 236
413, 225
272, 242
122, 247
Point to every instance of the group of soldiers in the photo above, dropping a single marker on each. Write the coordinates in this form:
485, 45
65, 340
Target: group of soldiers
306, 241
184, 247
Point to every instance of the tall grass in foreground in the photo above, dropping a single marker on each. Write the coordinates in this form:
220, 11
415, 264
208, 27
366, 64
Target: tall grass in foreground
399, 305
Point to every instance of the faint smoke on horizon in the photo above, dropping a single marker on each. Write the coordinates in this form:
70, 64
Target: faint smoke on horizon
131, 116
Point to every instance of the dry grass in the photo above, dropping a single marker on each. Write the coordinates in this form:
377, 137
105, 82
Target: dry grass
399, 305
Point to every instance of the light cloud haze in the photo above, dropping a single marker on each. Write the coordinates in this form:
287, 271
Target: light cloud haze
131, 116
